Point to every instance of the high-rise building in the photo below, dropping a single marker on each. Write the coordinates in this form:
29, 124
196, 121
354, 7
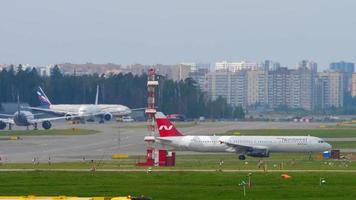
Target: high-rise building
309, 64
348, 69
277, 87
353, 93
239, 88
263, 87
342, 67
293, 88
235, 66
198, 66
198, 72
176, 72
45, 70
2, 66
270, 65
184, 70
331, 89
218, 84
168, 71
252, 87
301, 87
230, 85
307, 87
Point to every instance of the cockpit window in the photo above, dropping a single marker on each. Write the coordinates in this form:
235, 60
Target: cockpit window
320, 141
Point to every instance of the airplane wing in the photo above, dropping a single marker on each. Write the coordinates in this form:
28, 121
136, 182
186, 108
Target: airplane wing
7, 121
136, 109
56, 112
241, 148
164, 140
108, 107
101, 113
5, 115
114, 111
47, 119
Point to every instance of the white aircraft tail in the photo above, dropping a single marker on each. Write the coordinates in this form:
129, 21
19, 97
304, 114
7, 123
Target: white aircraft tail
97, 95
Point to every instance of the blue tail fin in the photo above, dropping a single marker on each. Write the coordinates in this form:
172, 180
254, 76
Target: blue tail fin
44, 101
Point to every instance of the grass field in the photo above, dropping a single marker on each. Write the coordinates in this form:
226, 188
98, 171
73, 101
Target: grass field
180, 185
343, 144
291, 161
323, 133
48, 132
171, 185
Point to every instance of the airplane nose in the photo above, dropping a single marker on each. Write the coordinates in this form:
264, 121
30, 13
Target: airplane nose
328, 146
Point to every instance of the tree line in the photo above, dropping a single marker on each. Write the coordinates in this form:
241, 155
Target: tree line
178, 97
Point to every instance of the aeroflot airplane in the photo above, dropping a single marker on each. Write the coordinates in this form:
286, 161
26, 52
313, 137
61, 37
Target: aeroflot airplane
81, 111
255, 146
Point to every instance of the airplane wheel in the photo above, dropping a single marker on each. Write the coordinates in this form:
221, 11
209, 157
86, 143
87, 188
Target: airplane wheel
242, 157
2, 125
101, 122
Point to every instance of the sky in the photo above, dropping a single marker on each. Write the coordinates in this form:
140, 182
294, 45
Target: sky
168, 32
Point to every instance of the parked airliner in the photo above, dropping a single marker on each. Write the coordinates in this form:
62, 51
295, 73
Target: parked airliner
25, 118
81, 111
255, 146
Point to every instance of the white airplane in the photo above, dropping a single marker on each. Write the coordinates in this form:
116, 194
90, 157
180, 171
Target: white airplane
25, 118
81, 111
255, 146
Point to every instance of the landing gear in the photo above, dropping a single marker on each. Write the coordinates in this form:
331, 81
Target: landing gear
101, 121
242, 157
35, 126
90, 120
2, 125
10, 127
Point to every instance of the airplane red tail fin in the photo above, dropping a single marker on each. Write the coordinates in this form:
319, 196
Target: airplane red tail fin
165, 127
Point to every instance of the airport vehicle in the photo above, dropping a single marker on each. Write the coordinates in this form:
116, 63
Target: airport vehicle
255, 146
127, 119
31, 197
176, 117
25, 118
81, 112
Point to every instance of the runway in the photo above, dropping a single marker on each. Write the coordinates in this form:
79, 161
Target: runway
113, 138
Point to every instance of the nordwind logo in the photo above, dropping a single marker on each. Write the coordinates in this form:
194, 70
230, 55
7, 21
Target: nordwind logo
166, 128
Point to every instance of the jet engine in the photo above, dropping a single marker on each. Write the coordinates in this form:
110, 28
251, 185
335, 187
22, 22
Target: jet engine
258, 152
68, 117
2, 125
107, 116
46, 125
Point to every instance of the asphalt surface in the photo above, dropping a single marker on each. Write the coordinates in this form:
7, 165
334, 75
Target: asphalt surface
113, 138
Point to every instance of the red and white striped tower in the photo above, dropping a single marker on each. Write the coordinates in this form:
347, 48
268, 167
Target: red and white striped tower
151, 157
151, 108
